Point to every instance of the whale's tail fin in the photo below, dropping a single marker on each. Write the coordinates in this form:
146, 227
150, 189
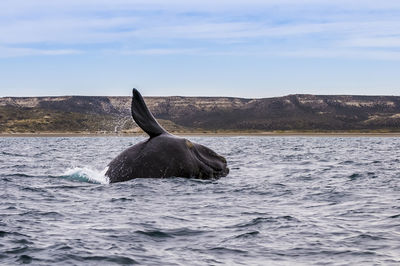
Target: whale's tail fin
143, 117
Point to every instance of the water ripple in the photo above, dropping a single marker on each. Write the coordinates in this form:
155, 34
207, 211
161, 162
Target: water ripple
287, 200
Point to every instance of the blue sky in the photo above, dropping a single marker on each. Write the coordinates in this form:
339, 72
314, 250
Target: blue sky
244, 48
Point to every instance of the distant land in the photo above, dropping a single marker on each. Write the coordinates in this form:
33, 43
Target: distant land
292, 113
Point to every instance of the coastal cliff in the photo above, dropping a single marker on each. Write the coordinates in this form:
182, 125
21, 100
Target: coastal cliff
203, 114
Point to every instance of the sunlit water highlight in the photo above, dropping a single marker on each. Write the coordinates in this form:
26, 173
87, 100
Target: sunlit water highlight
287, 200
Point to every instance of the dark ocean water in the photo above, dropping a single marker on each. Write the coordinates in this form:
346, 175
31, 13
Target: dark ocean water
287, 200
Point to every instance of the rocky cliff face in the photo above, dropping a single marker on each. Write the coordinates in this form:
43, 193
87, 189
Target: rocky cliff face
293, 112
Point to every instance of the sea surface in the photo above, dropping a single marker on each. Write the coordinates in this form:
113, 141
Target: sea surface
287, 201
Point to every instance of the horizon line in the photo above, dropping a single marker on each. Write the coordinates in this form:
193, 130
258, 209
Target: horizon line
191, 96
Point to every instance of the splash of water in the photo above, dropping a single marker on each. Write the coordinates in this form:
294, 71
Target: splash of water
86, 174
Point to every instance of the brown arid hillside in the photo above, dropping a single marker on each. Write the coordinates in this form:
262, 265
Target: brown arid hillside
315, 113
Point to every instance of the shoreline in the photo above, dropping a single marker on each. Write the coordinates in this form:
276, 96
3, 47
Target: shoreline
209, 134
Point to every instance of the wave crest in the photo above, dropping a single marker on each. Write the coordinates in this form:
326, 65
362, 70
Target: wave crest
86, 174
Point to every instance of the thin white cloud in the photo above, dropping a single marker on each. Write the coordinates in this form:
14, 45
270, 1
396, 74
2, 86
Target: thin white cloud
163, 51
122, 29
151, 27
15, 6
304, 52
59, 30
377, 42
18, 52
342, 53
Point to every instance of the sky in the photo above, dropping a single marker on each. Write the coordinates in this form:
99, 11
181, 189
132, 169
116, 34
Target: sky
238, 48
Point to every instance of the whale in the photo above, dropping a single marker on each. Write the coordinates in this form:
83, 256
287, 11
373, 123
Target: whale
163, 154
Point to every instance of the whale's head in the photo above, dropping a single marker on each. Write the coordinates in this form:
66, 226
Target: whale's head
211, 164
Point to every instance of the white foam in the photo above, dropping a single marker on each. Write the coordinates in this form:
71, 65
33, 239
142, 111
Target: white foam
92, 175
